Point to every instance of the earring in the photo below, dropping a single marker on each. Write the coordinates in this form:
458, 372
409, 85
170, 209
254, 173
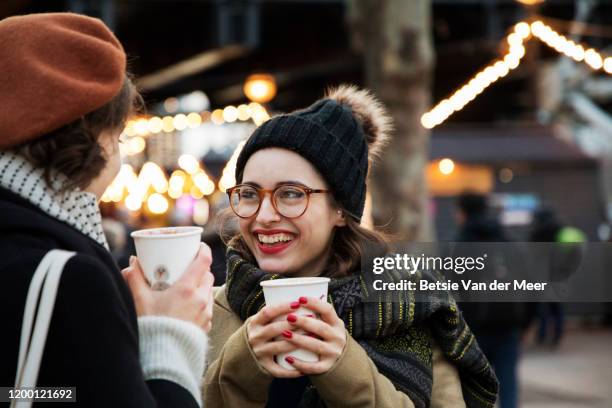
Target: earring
339, 212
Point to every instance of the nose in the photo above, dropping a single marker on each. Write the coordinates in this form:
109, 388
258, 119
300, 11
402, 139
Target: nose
267, 213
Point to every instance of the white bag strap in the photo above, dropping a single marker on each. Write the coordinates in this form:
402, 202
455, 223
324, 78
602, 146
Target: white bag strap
31, 346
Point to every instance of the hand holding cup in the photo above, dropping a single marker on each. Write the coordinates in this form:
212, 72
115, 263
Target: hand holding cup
189, 298
324, 337
265, 335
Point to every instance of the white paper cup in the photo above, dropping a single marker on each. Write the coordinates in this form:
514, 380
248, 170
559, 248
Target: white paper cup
165, 253
289, 290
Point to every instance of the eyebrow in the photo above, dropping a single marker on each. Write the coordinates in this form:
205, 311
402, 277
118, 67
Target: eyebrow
280, 183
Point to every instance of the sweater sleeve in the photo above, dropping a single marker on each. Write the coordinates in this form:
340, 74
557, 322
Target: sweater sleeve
94, 338
173, 350
235, 378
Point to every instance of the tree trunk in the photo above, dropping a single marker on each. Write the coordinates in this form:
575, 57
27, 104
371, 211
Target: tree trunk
395, 39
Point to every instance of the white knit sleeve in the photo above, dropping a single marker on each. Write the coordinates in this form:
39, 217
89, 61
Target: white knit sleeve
173, 350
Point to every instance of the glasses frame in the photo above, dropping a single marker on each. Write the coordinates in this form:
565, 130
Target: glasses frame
262, 192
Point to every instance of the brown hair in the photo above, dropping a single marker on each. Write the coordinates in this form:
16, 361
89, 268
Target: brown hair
350, 244
73, 150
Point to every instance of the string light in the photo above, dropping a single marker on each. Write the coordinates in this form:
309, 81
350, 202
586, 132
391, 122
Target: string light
227, 177
446, 166
230, 114
189, 163
216, 117
553, 39
180, 122
176, 184
157, 203
194, 120
481, 80
168, 124
141, 127
133, 203
136, 145
522, 29
243, 112
150, 186
499, 69
156, 124
607, 65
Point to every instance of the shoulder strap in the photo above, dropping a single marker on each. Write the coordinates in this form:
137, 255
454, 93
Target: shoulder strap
31, 345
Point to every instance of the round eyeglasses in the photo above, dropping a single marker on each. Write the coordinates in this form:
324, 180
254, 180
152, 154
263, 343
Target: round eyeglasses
289, 200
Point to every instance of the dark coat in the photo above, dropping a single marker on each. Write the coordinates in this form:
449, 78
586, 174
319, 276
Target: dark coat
93, 337
490, 317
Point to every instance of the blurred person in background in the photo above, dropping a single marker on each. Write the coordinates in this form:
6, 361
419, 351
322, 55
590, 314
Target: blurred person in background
564, 259
496, 325
545, 228
65, 98
302, 180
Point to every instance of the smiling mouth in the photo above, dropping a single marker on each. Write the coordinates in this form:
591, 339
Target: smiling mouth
273, 240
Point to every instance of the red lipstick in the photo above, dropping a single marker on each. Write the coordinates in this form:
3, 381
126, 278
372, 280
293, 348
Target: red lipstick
276, 247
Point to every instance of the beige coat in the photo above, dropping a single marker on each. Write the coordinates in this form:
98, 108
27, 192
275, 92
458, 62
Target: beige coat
235, 379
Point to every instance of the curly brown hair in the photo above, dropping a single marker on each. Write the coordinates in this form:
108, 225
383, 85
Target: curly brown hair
74, 149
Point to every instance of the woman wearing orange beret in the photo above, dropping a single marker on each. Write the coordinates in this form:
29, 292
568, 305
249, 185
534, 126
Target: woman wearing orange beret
65, 97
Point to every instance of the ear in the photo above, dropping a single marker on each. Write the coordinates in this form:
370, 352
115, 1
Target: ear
340, 219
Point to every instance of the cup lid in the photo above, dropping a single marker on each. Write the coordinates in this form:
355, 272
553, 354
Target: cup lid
167, 232
294, 282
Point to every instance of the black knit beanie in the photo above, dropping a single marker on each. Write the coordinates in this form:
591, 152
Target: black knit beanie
339, 135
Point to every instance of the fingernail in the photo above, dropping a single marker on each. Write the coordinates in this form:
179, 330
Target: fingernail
291, 318
295, 305
303, 300
310, 315
287, 334
310, 334
290, 359
132, 259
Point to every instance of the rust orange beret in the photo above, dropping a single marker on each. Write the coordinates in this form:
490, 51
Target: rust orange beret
54, 68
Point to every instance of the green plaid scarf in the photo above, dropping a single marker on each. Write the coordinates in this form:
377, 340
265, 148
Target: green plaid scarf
396, 333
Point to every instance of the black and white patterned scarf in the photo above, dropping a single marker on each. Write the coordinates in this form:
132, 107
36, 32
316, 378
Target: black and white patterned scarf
76, 208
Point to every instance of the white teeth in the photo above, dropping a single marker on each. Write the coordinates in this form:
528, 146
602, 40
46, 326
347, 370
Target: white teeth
271, 239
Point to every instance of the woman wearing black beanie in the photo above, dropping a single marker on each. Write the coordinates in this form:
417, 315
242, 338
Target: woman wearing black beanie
299, 199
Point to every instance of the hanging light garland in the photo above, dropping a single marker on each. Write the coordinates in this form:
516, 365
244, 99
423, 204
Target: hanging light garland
511, 60
151, 187
577, 52
482, 80
137, 130
168, 124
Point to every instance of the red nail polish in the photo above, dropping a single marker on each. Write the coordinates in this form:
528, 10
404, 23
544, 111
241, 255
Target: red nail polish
310, 334
310, 315
291, 318
295, 305
303, 300
290, 359
287, 334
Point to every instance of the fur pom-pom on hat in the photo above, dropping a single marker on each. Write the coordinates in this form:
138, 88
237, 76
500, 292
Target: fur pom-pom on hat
369, 111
